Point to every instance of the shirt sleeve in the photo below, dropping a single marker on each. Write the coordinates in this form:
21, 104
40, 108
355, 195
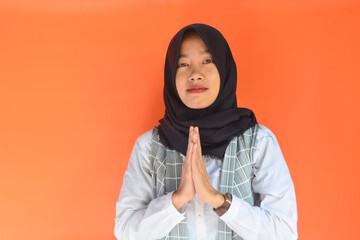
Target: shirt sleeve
276, 217
139, 215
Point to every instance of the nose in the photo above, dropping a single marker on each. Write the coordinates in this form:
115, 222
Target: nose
196, 75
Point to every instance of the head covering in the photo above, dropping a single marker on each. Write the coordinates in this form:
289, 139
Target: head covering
219, 122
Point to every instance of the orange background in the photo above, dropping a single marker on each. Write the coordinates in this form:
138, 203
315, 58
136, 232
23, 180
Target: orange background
81, 80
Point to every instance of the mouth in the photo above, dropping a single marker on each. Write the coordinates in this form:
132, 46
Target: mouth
197, 89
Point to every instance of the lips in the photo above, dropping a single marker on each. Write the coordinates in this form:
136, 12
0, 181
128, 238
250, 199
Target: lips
196, 89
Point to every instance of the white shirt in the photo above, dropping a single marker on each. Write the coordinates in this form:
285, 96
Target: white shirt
138, 216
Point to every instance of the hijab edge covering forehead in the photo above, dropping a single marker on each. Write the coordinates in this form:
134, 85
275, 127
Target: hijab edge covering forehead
219, 122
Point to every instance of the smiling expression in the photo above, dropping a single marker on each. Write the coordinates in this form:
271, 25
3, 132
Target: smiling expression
197, 77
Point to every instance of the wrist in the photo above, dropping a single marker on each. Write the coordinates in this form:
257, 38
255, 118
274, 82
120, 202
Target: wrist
177, 200
216, 200
225, 206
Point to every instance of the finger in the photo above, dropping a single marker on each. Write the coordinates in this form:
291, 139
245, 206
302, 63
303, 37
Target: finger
197, 167
189, 150
198, 163
198, 140
188, 158
198, 154
191, 133
190, 139
195, 136
194, 157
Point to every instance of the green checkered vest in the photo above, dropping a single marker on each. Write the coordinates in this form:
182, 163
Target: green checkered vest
236, 176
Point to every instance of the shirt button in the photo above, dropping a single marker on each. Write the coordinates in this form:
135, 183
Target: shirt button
200, 218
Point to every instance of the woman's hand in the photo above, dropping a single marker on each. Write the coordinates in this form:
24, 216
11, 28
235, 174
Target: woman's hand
194, 177
186, 190
204, 190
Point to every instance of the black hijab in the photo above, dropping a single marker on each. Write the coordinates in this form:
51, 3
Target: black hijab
219, 122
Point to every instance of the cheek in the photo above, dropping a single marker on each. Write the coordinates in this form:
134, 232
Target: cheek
179, 83
216, 89
215, 79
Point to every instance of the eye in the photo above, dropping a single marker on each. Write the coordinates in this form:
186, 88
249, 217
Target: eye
209, 61
182, 64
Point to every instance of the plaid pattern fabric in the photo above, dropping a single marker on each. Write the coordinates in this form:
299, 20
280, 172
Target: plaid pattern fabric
236, 176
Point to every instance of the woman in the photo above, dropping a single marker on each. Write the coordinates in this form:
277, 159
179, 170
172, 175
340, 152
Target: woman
209, 170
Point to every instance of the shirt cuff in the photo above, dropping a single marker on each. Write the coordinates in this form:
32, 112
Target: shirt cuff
238, 208
180, 215
163, 208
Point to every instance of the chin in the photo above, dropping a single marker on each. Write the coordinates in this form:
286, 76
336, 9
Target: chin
197, 106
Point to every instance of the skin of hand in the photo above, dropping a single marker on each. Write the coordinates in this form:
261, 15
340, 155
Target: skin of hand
194, 178
186, 189
204, 190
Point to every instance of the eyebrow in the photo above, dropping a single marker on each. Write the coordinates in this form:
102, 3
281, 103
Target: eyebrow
203, 52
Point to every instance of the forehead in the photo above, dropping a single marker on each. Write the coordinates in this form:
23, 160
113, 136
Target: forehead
193, 43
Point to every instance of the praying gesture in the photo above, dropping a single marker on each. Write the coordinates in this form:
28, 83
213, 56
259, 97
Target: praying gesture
200, 81
194, 178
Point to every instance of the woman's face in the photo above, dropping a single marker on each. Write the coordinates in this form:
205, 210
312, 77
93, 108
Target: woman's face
197, 77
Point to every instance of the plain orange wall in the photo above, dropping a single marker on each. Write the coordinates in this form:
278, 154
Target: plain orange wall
81, 80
